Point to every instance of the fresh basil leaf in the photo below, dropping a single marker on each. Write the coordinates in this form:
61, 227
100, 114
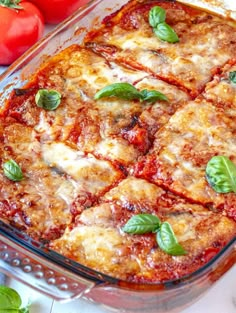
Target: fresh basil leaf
221, 174
48, 99
153, 96
23, 310
166, 33
142, 224
12, 171
124, 91
232, 77
10, 300
129, 92
156, 15
167, 241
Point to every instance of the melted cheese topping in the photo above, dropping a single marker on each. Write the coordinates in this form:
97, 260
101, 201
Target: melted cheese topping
92, 126
98, 237
96, 240
92, 174
133, 191
205, 43
159, 113
89, 166
187, 142
81, 121
117, 149
82, 73
222, 91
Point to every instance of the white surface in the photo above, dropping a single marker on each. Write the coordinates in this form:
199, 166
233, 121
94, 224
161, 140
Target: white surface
222, 7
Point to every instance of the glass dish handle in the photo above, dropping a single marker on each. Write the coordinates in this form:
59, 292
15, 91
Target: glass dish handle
40, 274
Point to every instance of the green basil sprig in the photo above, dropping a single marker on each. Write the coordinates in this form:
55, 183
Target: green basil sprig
152, 96
221, 174
167, 241
12, 171
147, 223
162, 30
232, 77
10, 301
127, 91
157, 15
48, 99
124, 91
142, 224
166, 33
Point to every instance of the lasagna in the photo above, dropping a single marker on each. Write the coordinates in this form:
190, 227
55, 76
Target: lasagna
92, 164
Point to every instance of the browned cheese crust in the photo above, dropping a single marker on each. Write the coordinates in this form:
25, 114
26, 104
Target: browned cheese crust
90, 165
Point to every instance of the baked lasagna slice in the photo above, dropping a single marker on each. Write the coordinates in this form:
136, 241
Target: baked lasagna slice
222, 89
97, 238
205, 43
84, 146
182, 149
110, 127
58, 181
157, 115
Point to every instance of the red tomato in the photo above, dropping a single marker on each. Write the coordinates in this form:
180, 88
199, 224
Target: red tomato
55, 11
19, 30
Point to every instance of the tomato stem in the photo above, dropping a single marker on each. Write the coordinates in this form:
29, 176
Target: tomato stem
11, 4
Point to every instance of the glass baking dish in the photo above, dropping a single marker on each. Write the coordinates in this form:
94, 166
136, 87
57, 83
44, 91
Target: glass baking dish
61, 278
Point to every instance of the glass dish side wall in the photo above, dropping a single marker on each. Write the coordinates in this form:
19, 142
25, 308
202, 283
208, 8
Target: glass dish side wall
62, 279
54, 277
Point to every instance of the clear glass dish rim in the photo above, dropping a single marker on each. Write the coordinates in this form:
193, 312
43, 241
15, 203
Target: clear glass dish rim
44, 253
52, 256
